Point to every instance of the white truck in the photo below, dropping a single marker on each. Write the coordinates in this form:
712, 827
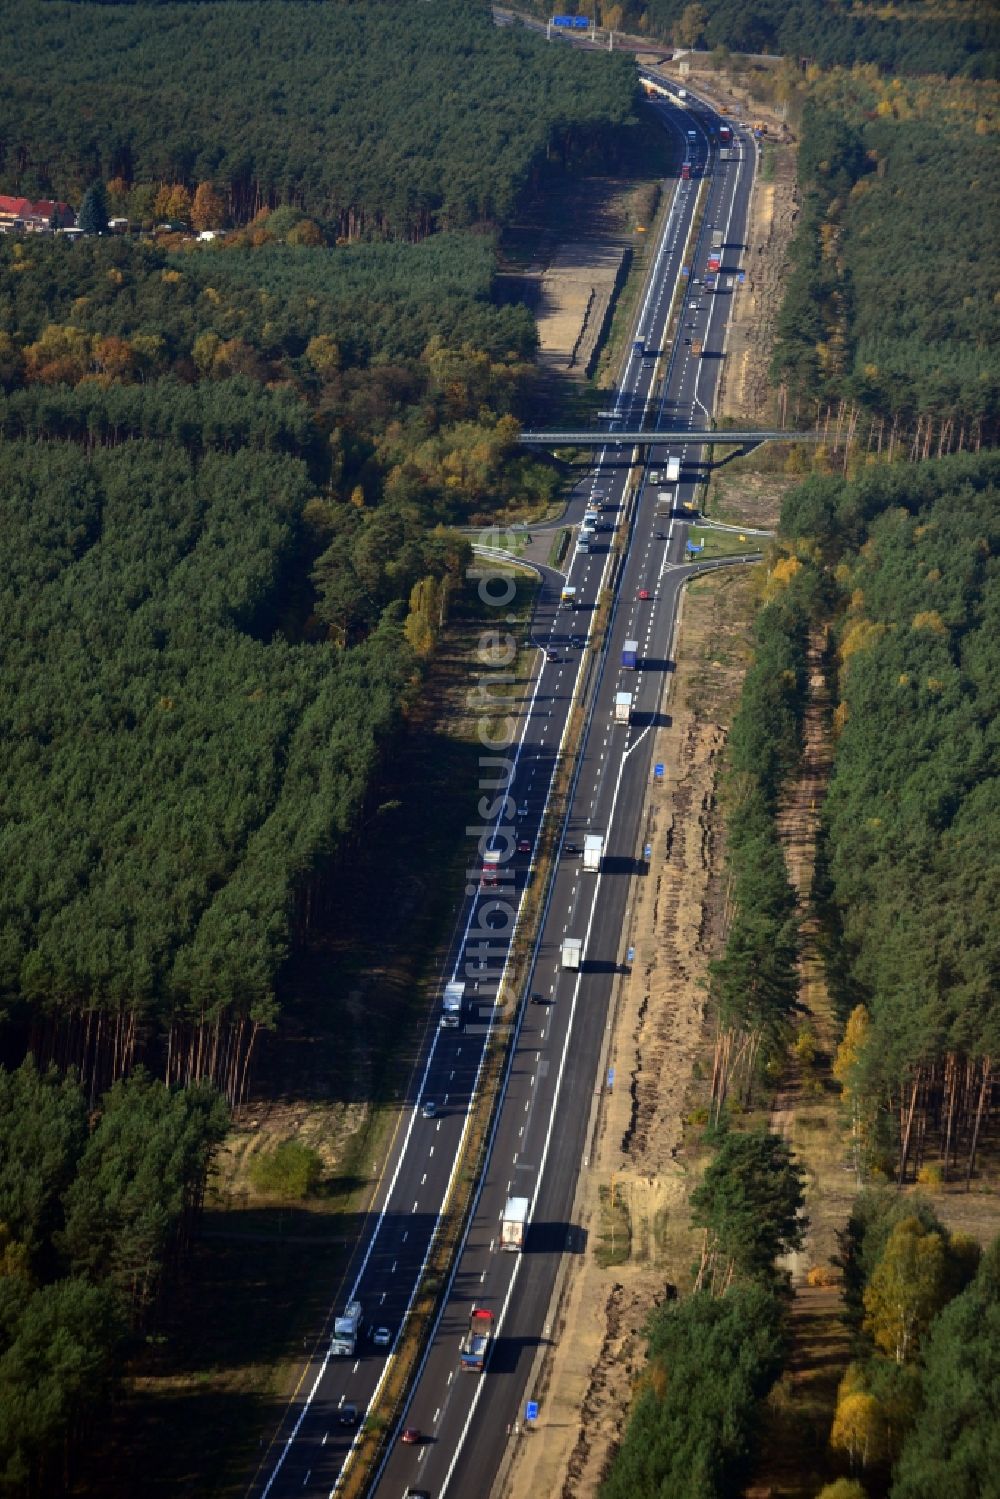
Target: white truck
451, 1005
514, 1223
623, 707
345, 1331
572, 951
593, 851
673, 473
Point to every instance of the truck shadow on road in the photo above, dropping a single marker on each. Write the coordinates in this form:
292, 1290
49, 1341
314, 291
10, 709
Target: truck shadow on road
626, 864
651, 720
554, 1237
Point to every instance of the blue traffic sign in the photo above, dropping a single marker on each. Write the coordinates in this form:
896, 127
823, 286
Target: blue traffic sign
685, 270
531, 1411
611, 1079
578, 23
657, 772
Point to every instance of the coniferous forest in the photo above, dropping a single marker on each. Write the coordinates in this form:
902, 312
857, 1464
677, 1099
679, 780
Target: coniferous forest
909, 38
890, 317
379, 118
229, 466
230, 473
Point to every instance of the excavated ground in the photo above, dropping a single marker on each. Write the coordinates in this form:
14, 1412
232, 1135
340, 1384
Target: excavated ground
675, 919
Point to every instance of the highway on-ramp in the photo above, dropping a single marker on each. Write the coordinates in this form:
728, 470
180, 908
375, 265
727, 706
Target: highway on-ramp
540, 1132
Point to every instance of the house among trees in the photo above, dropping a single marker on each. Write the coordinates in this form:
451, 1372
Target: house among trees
22, 216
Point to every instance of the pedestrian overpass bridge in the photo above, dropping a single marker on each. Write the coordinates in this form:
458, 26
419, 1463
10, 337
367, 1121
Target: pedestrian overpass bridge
611, 438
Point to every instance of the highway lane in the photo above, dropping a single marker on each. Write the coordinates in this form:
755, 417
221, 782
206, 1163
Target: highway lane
554, 1063
312, 1443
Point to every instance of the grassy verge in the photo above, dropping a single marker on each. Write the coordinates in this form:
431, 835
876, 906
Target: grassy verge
614, 1235
557, 551
724, 543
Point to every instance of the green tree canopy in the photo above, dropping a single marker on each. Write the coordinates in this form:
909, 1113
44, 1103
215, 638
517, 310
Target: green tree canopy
749, 1202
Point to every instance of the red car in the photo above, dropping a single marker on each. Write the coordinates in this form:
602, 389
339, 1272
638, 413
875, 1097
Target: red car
524, 846
411, 1436
644, 593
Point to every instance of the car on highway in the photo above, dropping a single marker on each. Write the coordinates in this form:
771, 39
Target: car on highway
661, 535
381, 1337
429, 1108
551, 655
577, 640
347, 1415
412, 1436
524, 845
644, 594
571, 848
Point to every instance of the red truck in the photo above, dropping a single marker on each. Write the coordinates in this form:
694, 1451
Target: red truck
475, 1346
686, 172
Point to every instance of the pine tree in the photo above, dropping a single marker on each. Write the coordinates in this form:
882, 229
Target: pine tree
93, 217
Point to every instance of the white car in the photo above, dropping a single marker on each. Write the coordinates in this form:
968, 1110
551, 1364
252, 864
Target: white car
381, 1337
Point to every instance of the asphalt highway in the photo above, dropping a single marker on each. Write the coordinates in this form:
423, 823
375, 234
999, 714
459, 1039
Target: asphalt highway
540, 1135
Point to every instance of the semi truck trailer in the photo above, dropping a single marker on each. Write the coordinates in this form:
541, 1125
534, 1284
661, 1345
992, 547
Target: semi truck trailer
514, 1223
572, 951
345, 1331
593, 852
451, 1005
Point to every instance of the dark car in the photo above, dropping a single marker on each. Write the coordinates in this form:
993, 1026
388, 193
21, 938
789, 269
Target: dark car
577, 640
661, 535
347, 1415
412, 1436
524, 845
571, 848
551, 656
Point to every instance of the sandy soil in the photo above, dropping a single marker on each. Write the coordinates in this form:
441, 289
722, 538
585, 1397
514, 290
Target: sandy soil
578, 259
674, 921
576, 295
